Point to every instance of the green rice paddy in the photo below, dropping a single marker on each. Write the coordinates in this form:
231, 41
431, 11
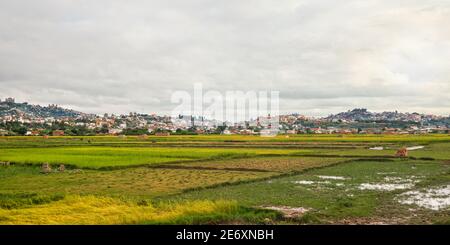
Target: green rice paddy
300, 179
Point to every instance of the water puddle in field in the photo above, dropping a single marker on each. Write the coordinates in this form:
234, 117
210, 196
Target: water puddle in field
377, 148
325, 180
386, 173
391, 183
304, 182
288, 212
309, 182
385, 187
433, 198
399, 180
413, 148
331, 177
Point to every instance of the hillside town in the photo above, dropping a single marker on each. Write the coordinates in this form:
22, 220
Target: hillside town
35, 120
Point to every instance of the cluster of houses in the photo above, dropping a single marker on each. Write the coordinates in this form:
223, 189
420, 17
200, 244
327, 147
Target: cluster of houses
386, 130
343, 123
162, 125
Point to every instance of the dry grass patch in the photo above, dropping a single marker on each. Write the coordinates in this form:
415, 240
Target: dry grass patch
272, 164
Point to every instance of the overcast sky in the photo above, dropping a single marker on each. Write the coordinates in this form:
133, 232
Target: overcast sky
323, 56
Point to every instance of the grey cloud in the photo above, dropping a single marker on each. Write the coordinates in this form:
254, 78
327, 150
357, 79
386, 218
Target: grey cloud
322, 55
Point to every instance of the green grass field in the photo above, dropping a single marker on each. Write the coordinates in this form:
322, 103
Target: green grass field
300, 179
96, 157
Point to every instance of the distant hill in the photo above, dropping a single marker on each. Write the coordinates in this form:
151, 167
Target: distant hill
363, 115
353, 115
16, 109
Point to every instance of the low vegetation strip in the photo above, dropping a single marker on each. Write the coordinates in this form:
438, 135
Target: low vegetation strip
300, 138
